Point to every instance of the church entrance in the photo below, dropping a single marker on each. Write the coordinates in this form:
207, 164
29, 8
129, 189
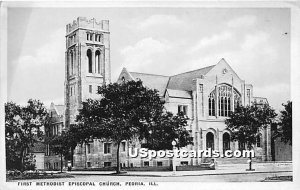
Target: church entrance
226, 142
210, 140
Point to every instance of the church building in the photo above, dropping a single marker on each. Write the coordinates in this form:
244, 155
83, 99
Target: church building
206, 95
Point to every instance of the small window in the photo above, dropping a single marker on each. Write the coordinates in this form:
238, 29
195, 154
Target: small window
107, 164
248, 92
100, 37
146, 164
47, 150
183, 109
89, 164
258, 141
91, 37
184, 163
107, 148
159, 164
88, 146
241, 146
123, 146
131, 165
90, 88
201, 88
133, 149
99, 87
71, 91
87, 36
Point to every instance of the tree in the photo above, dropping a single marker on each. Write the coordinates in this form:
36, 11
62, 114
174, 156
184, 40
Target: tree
286, 124
245, 123
127, 111
65, 143
60, 145
165, 129
22, 129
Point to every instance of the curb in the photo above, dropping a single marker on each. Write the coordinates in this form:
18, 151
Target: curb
136, 175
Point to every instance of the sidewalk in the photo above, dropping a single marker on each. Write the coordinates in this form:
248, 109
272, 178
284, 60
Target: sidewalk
220, 170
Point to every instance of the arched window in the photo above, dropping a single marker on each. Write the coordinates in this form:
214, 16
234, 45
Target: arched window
72, 63
237, 99
211, 104
224, 100
210, 140
97, 62
89, 57
226, 142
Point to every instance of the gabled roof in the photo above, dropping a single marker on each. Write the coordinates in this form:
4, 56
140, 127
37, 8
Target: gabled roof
179, 82
60, 109
152, 81
184, 81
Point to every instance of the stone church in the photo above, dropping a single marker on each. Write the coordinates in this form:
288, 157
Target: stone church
206, 95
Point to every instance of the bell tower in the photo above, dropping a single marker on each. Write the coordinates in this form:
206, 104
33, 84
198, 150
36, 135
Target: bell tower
87, 63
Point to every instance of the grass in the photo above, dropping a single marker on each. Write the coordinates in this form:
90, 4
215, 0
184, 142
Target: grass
35, 176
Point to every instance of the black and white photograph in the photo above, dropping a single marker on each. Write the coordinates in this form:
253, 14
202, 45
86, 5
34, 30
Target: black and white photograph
148, 95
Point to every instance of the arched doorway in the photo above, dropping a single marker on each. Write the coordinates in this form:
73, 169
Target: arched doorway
210, 140
226, 142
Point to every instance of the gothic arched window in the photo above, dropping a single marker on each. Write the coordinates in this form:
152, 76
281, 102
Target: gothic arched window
225, 92
224, 100
211, 104
226, 142
97, 62
237, 99
72, 63
89, 57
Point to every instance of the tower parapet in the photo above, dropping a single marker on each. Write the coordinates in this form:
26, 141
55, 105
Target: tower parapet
84, 23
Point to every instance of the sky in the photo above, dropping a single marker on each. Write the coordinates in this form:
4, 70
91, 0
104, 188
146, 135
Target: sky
167, 41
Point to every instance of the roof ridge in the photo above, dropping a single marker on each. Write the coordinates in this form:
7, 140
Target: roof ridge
192, 70
150, 74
